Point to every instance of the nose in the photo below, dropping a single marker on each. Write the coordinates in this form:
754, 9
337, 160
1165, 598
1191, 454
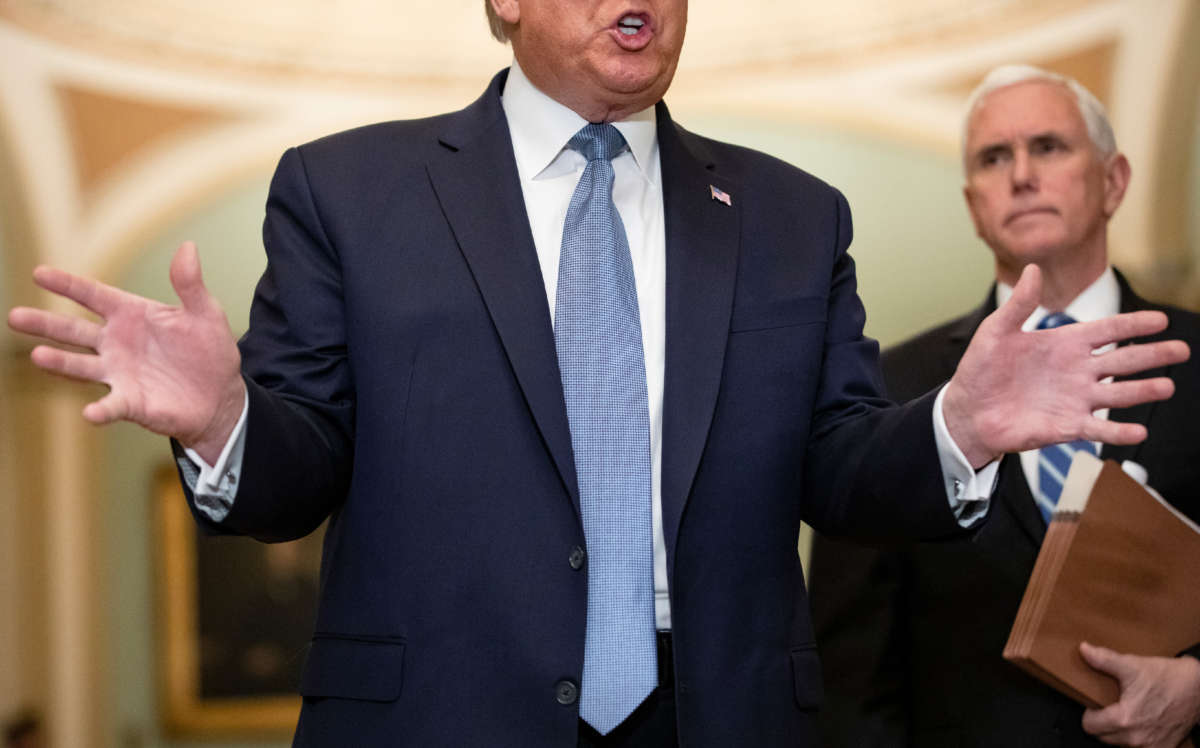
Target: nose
1024, 175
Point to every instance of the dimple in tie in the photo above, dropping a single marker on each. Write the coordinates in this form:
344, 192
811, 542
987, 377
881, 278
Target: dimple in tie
598, 335
1054, 460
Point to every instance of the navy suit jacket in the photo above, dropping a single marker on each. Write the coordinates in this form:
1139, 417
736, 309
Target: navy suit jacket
403, 383
912, 636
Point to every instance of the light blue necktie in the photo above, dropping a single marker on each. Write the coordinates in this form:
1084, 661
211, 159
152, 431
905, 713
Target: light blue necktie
1054, 460
598, 334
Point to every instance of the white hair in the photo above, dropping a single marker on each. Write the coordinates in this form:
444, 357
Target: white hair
1094, 117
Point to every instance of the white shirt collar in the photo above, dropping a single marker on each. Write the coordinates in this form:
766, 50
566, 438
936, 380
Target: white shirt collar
1097, 301
541, 127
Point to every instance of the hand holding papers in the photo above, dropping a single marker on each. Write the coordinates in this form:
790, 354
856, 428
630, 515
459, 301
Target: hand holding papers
1118, 568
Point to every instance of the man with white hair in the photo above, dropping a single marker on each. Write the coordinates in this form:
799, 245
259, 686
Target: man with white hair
911, 638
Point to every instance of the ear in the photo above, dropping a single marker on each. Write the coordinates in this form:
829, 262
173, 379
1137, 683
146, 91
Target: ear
509, 11
1116, 178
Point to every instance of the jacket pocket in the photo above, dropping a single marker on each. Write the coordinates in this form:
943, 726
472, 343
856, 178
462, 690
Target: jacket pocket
770, 315
353, 668
806, 678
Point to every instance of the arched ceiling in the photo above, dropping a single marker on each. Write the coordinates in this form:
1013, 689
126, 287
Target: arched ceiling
116, 113
383, 39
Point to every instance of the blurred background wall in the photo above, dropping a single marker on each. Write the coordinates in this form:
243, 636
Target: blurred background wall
127, 126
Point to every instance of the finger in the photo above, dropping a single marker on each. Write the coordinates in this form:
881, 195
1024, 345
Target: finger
1106, 660
1104, 724
1122, 327
1130, 392
57, 327
1131, 359
1095, 655
107, 409
94, 295
85, 366
1024, 299
1113, 432
187, 279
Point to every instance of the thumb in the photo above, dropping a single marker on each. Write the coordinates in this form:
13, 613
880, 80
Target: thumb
1024, 300
107, 409
1106, 661
186, 278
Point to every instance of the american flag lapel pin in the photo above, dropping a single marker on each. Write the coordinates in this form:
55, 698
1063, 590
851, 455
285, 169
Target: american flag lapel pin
720, 195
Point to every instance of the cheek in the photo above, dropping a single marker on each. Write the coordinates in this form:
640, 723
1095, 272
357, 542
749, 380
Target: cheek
1080, 206
987, 215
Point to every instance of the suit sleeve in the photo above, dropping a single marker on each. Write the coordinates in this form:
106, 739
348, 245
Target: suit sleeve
871, 468
300, 422
861, 600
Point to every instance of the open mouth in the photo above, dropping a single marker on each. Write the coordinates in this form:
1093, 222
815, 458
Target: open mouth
631, 25
633, 31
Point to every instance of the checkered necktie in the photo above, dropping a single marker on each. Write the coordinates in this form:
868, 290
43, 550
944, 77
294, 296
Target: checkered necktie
1054, 460
598, 334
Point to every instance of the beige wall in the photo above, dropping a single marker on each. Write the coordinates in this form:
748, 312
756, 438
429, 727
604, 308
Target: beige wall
109, 157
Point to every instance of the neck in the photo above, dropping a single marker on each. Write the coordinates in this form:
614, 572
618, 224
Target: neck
1059, 290
612, 106
1066, 271
597, 112
1059, 287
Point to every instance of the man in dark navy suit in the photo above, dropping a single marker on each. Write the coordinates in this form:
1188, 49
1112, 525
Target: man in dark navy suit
911, 638
463, 316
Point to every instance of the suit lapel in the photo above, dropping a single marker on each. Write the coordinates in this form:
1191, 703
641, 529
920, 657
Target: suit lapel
702, 236
1014, 495
478, 188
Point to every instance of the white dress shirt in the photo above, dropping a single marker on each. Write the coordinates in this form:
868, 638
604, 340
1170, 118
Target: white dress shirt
1100, 300
540, 128
549, 171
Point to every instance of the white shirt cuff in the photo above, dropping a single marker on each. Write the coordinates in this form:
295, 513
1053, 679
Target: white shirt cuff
215, 486
969, 491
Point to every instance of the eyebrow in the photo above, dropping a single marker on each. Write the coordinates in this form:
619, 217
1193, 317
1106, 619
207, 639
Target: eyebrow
990, 149
1000, 146
1049, 135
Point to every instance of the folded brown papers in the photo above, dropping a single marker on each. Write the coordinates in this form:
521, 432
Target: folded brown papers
1119, 567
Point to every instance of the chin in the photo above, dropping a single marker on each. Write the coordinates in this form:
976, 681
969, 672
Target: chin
1022, 256
633, 74
1035, 248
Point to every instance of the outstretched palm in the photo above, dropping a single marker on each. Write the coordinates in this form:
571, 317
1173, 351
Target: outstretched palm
1014, 390
171, 369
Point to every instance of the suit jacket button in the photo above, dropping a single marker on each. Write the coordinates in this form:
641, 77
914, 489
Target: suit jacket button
566, 692
577, 557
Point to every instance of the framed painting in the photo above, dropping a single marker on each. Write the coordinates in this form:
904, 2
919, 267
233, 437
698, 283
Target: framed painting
234, 621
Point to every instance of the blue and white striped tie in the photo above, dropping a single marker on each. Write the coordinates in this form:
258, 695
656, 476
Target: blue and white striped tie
1055, 460
598, 334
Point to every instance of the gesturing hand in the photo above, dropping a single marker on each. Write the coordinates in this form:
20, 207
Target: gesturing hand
174, 370
1016, 390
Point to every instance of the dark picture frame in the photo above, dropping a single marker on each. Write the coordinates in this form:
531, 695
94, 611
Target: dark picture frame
234, 619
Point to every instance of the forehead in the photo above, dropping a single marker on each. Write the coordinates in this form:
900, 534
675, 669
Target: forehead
1023, 110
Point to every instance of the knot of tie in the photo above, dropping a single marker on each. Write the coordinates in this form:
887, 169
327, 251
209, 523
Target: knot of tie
1055, 319
597, 142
